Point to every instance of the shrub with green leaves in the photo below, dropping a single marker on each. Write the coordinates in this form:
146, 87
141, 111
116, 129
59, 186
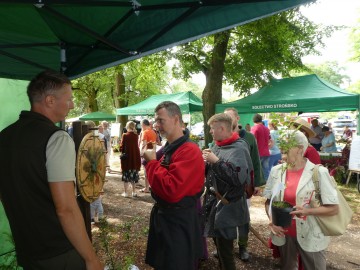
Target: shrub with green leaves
286, 139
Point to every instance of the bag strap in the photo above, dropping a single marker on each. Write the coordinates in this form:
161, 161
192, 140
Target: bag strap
315, 179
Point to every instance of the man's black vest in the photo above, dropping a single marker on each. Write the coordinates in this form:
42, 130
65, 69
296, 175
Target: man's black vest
25, 191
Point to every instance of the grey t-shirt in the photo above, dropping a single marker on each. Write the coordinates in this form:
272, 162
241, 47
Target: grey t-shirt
60, 157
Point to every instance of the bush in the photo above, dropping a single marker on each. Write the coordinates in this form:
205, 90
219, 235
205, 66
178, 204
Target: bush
116, 148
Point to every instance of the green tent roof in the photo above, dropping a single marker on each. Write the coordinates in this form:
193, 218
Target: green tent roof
97, 116
187, 101
83, 36
299, 94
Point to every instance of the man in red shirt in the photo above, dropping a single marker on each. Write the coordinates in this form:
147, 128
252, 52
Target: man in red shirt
262, 135
176, 180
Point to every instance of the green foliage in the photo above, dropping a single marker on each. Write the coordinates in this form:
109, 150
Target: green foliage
355, 51
340, 174
257, 51
354, 88
286, 139
143, 77
281, 204
145, 231
254, 53
106, 238
196, 117
194, 138
116, 148
329, 71
355, 42
183, 86
351, 194
92, 93
126, 229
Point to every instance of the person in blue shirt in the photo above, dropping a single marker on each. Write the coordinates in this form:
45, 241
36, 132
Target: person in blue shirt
275, 153
328, 142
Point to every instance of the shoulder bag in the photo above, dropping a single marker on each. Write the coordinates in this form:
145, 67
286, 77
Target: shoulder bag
332, 225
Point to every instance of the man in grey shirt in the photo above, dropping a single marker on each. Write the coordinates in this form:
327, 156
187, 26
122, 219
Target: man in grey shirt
316, 140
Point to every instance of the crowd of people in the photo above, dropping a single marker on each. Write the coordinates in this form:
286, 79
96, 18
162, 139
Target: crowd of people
198, 193
324, 139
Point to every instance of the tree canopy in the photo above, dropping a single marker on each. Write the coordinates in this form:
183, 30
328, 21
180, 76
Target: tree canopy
355, 46
248, 56
355, 41
142, 78
329, 71
256, 52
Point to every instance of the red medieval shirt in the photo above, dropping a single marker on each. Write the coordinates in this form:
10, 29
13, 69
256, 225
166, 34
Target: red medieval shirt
184, 176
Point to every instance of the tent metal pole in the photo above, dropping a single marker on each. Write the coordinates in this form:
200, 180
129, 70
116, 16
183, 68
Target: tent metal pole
62, 70
189, 128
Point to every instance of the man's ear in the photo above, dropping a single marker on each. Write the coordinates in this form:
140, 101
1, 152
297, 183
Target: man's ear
177, 119
49, 100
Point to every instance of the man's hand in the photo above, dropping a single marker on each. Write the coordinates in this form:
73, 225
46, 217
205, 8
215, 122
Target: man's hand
150, 154
209, 156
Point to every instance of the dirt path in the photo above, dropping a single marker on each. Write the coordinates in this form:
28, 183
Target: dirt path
341, 254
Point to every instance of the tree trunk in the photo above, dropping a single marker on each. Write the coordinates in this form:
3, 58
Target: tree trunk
119, 94
212, 93
93, 104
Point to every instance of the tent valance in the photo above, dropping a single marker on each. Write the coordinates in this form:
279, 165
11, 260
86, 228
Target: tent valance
187, 101
299, 94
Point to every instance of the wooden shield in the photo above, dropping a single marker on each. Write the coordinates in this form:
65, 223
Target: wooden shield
91, 167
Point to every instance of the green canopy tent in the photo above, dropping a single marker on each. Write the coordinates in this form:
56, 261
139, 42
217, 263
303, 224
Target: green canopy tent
83, 36
299, 94
97, 116
187, 101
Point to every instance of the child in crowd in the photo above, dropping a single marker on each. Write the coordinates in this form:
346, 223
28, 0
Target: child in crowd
96, 209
